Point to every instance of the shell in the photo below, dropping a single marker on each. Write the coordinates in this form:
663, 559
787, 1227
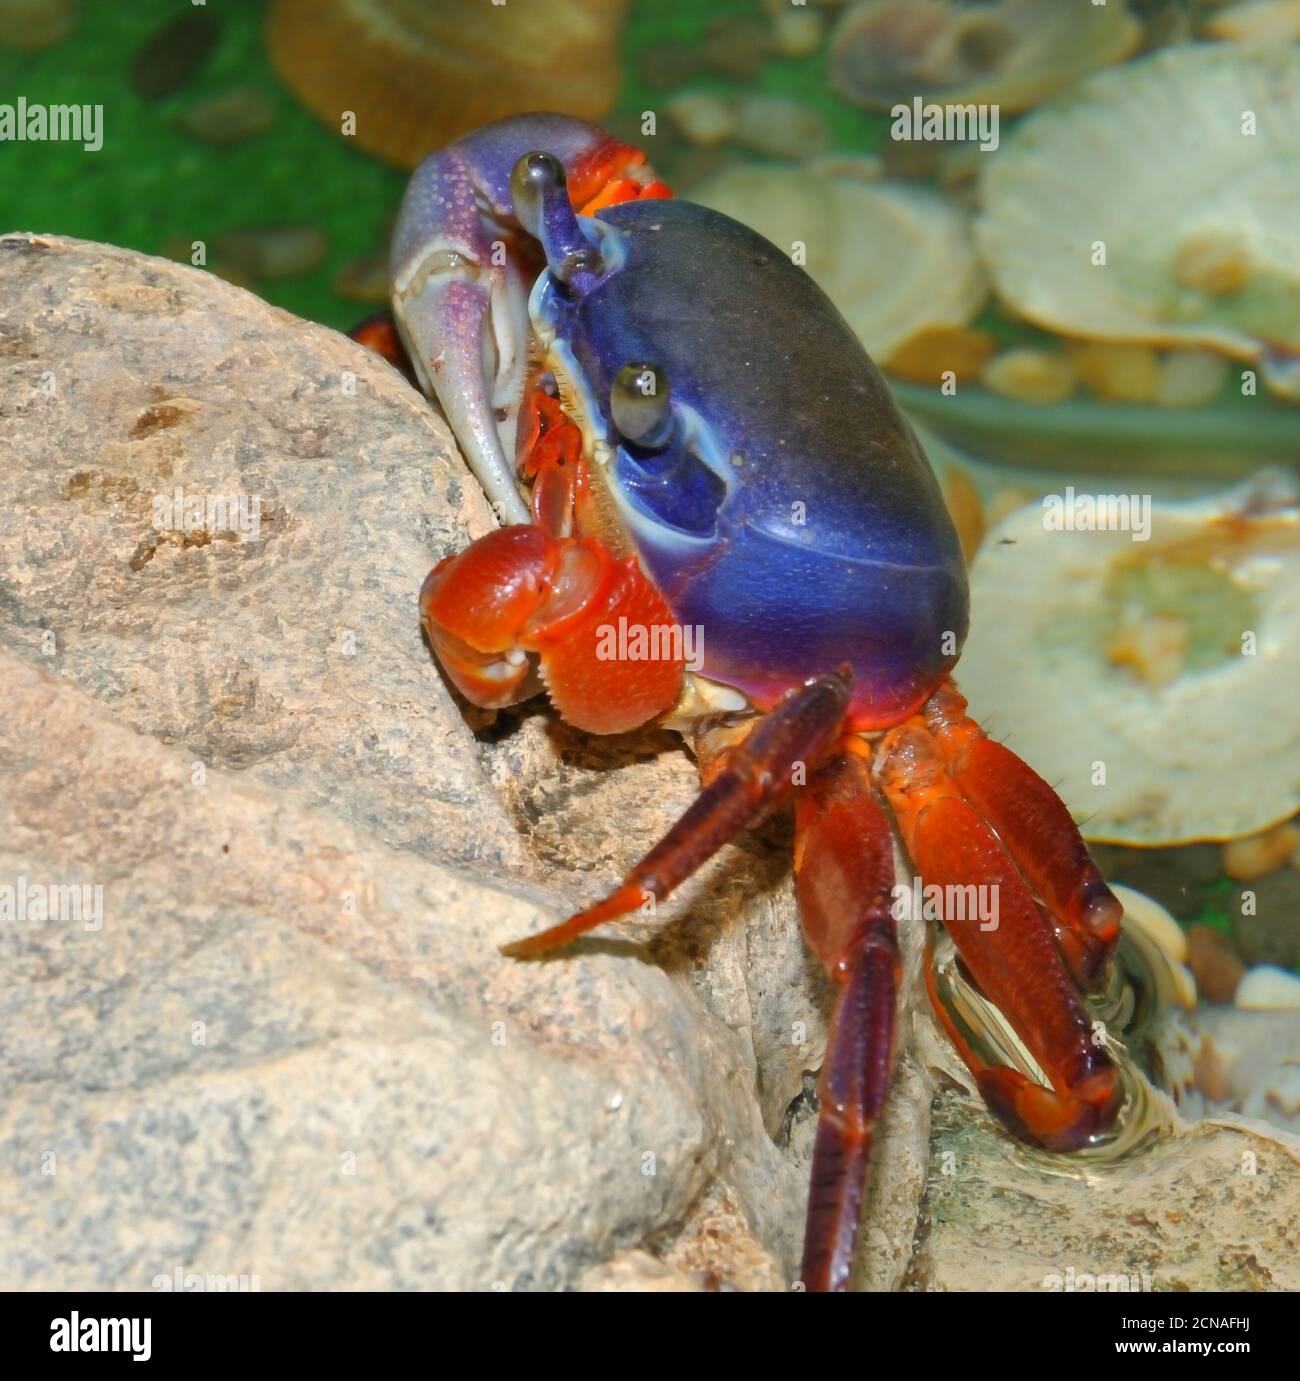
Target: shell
1121, 671
30, 25
418, 76
922, 271
1012, 54
1200, 221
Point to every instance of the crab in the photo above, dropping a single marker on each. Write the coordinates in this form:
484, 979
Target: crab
714, 517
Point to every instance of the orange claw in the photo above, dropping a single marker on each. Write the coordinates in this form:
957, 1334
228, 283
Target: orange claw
568, 602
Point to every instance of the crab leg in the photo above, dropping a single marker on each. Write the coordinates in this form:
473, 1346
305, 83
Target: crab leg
758, 774
1033, 823
844, 874
1017, 963
462, 268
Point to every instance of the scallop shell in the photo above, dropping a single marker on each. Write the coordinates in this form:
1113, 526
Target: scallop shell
1122, 670
896, 259
1013, 54
419, 75
1200, 220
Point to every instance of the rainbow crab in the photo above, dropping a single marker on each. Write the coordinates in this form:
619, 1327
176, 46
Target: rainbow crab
681, 435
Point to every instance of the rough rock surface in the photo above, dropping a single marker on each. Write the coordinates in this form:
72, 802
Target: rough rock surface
290, 1049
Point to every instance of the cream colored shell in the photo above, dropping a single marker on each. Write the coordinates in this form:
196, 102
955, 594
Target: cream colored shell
896, 259
1199, 218
1209, 747
1012, 53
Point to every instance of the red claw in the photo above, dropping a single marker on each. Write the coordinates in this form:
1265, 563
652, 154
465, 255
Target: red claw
519, 591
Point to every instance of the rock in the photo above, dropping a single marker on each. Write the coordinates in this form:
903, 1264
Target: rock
1266, 919
1257, 855
1214, 963
1211, 1207
229, 117
703, 117
273, 253
292, 1049
795, 33
781, 127
1269, 989
173, 55
1175, 877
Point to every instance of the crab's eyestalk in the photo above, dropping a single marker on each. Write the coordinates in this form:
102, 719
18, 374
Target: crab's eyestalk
541, 201
640, 402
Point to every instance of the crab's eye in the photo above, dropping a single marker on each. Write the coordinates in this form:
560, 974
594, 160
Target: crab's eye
535, 177
641, 406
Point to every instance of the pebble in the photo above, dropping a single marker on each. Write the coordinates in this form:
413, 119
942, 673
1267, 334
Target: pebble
797, 32
703, 117
1190, 378
1266, 919
274, 252
1269, 989
781, 127
172, 56
1260, 854
665, 65
1263, 21
925, 357
1030, 376
1117, 373
856, 167
231, 116
1214, 963
364, 279
736, 48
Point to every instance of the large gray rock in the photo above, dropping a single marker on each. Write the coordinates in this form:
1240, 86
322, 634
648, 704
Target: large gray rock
290, 1050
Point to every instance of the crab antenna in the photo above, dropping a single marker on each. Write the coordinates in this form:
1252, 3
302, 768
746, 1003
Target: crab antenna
541, 201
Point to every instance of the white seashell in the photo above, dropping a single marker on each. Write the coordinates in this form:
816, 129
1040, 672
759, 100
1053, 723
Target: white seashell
1185, 168
1149, 738
1153, 920
1011, 53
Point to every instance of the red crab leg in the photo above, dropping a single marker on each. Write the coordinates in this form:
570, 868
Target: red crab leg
517, 591
758, 774
1016, 964
1032, 821
844, 876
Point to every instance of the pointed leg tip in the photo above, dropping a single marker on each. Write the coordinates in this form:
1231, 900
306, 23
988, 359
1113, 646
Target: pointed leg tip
517, 949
